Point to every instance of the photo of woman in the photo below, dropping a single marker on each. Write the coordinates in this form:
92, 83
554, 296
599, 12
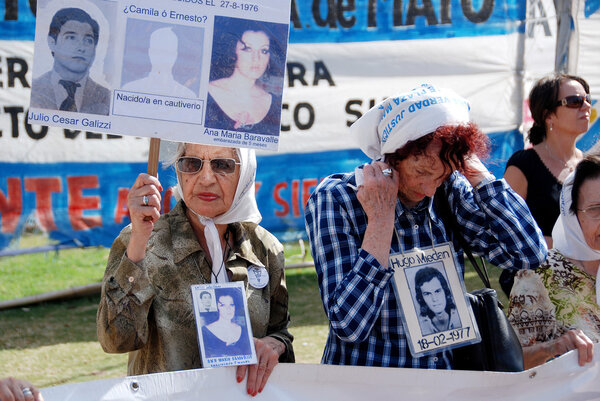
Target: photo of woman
246, 76
437, 308
227, 336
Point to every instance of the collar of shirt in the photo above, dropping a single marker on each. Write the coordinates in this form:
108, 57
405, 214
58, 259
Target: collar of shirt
185, 242
60, 93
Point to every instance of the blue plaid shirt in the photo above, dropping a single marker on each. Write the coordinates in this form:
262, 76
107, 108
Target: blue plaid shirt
359, 295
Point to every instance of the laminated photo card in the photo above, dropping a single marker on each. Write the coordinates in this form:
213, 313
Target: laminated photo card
436, 312
223, 324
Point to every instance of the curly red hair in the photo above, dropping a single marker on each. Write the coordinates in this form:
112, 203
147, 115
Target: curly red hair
458, 142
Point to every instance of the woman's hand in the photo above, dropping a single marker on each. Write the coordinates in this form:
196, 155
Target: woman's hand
540, 353
378, 196
142, 215
12, 389
474, 170
574, 339
268, 350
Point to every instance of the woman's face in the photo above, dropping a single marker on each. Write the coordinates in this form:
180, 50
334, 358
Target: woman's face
253, 54
589, 197
434, 295
208, 193
420, 175
226, 307
565, 119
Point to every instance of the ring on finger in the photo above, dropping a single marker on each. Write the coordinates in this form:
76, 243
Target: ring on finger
27, 391
387, 172
145, 200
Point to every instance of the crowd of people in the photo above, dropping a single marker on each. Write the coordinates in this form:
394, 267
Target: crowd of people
356, 222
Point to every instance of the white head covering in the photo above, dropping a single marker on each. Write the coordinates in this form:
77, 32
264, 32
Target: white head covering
408, 116
567, 236
243, 208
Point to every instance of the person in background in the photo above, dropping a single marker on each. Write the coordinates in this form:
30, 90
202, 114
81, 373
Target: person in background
12, 389
560, 107
418, 140
211, 236
556, 308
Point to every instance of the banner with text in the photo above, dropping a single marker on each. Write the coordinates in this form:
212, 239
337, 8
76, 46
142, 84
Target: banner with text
560, 380
343, 57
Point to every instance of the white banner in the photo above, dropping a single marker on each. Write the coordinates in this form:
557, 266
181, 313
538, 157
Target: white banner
561, 379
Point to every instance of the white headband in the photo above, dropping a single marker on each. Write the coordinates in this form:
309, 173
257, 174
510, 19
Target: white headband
408, 116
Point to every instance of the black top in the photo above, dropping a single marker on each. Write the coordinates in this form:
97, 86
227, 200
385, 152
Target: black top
543, 189
216, 118
215, 347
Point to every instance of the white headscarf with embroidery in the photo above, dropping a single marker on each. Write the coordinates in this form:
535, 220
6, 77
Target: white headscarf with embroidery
398, 120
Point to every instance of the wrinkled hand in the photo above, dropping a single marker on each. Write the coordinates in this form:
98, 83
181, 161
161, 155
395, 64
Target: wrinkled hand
141, 228
268, 350
379, 193
574, 339
475, 171
11, 389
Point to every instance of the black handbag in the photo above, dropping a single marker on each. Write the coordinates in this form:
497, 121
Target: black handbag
499, 349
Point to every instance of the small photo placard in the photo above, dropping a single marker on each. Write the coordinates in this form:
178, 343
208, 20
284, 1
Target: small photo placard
437, 314
223, 324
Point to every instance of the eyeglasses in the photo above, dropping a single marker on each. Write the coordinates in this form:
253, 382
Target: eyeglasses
575, 101
592, 212
191, 165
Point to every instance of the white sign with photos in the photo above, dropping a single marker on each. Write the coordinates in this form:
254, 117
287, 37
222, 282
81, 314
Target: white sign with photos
436, 312
207, 71
223, 324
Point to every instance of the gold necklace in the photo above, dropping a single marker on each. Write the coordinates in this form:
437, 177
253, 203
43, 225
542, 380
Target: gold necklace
551, 154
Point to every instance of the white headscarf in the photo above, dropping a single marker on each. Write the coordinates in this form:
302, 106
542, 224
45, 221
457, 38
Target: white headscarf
243, 208
567, 236
408, 116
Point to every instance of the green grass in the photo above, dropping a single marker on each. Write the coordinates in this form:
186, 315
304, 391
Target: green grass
55, 342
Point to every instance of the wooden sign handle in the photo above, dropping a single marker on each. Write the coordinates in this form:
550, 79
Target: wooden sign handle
153, 161
153, 156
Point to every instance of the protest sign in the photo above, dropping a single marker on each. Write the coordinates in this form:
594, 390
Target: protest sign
207, 71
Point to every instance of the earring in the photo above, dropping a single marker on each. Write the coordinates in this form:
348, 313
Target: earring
550, 126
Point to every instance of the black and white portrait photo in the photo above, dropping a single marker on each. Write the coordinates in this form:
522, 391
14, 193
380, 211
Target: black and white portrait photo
436, 307
246, 76
228, 334
70, 51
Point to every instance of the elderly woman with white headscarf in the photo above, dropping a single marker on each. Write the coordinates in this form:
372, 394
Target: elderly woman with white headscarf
211, 236
556, 309
418, 140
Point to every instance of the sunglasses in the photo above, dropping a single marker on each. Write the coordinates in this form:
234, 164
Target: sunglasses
191, 165
592, 212
575, 101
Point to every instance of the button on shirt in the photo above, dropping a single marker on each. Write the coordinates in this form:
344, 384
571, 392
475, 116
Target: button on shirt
359, 295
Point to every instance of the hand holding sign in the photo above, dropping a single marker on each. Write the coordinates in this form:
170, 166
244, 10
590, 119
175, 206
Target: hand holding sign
143, 202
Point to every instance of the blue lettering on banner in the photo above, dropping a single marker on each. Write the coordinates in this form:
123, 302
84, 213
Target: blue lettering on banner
332, 21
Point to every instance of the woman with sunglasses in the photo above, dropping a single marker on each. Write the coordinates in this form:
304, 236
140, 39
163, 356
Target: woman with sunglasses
556, 308
211, 236
560, 107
